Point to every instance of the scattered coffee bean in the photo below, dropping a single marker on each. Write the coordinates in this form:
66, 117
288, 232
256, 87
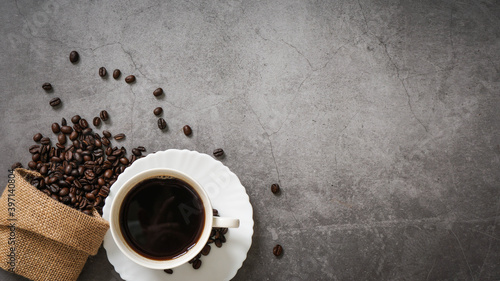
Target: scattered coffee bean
168, 271
47, 86
275, 188
55, 128
106, 134
162, 124
130, 79
66, 129
218, 152
64, 122
187, 130
16, 165
136, 152
196, 264
96, 121
116, 73
104, 115
277, 250
102, 71
37, 137
83, 123
61, 138
158, 92
45, 141
55, 102
75, 119
157, 111
74, 56
34, 149
206, 250
119, 136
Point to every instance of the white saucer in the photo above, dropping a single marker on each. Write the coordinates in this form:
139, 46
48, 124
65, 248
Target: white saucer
227, 195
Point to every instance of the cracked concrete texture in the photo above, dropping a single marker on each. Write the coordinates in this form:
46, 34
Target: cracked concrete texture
379, 119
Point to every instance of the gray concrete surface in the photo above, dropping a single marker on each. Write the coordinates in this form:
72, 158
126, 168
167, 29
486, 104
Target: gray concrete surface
380, 119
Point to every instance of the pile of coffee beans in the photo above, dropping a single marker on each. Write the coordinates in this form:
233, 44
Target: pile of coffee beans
82, 165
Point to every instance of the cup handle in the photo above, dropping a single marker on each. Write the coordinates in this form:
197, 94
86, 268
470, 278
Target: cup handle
225, 222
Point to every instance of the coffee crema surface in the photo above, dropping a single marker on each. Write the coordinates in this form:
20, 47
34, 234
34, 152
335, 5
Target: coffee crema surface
162, 218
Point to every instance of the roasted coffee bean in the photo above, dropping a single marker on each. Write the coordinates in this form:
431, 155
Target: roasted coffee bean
157, 111
218, 152
45, 141
168, 271
206, 250
141, 148
106, 134
187, 130
89, 174
218, 243
34, 149
64, 191
87, 212
98, 143
75, 119
124, 161
277, 250
158, 92
55, 128
32, 165
68, 170
73, 136
136, 152
215, 214
116, 73
162, 124
61, 138
55, 102
102, 71
108, 173
66, 129
16, 165
196, 264
47, 86
77, 128
64, 122
37, 137
90, 196
96, 121
130, 79
83, 123
44, 170
74, 56
119, 136
275, 188
87, 131
104, 115
105, 141
101, 181
36, 157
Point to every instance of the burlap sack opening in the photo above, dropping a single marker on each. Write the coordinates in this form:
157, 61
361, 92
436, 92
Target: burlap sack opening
52, 240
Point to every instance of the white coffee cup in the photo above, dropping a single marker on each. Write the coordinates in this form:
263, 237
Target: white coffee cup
209, 220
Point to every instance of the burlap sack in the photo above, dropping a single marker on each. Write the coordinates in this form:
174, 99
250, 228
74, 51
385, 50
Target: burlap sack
51, 240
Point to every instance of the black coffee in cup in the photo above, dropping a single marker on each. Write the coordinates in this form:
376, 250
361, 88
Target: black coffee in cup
161, 218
